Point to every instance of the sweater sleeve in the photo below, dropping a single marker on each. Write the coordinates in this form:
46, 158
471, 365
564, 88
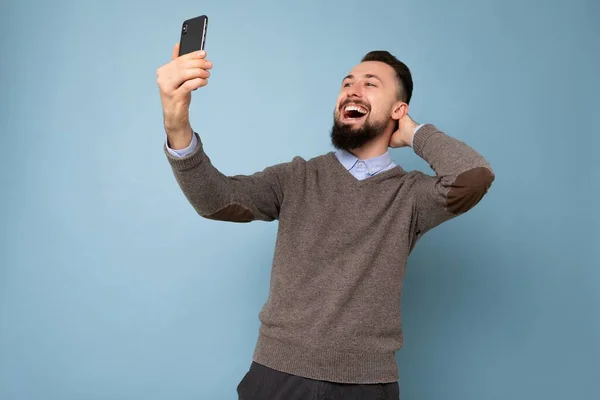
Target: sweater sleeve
462, 178
239, 198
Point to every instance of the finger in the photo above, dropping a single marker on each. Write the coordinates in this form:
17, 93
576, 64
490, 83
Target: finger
193, 73
193, 84
196, 63
194, 55
183, 68
178, 77
175, 51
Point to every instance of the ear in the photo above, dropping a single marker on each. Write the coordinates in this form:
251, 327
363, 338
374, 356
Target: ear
399, 110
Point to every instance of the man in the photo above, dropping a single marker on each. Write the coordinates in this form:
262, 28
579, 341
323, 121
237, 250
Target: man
347, 222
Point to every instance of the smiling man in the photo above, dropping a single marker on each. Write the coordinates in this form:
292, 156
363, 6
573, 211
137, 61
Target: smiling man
374, 95
348, 220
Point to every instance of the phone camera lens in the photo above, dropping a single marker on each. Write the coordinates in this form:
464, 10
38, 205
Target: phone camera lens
184, 30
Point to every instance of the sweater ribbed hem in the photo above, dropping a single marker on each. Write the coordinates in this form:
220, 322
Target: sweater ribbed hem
325, 364
189, 161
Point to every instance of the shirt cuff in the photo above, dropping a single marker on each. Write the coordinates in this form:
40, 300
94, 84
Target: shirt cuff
413, 138
183, 152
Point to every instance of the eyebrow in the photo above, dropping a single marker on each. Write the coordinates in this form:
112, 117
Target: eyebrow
366, 76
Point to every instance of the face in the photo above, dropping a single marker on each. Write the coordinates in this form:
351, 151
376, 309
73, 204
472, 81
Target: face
366, 105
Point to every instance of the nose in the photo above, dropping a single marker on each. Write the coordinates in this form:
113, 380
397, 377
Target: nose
354, 91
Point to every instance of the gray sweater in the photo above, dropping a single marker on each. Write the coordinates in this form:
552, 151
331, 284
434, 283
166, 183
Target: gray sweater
334, 306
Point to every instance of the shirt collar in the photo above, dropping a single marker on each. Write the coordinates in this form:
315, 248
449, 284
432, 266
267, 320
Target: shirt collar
374, 164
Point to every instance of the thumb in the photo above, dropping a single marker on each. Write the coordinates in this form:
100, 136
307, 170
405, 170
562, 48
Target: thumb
175, 51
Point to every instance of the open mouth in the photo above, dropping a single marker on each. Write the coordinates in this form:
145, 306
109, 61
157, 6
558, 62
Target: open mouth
354, 112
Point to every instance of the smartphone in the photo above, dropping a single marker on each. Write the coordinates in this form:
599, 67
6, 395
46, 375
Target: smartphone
193, 35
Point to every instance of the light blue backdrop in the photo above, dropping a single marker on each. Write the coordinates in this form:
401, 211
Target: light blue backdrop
111, 287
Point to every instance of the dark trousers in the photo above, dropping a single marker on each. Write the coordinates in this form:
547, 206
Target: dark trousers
264, 383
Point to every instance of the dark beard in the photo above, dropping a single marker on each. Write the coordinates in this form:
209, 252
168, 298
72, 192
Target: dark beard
347, 138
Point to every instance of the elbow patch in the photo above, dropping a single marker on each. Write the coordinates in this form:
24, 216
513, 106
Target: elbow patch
468, 189
232, 213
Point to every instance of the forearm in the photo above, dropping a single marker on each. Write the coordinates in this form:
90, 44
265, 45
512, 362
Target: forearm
179, 140
446, 155
216, 196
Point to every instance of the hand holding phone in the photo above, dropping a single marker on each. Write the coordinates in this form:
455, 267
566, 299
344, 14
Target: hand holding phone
187, 71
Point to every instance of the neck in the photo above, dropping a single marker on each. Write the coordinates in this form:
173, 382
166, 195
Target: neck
374, 148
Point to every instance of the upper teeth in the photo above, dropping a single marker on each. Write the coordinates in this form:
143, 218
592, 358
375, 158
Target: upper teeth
355, 108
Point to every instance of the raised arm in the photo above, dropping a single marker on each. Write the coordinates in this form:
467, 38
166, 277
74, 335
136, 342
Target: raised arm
213, 195
462, 176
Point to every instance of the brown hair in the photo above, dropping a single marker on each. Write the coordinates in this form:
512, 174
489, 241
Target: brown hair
405, 83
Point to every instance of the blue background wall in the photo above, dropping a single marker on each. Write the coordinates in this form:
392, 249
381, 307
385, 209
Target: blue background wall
111, 287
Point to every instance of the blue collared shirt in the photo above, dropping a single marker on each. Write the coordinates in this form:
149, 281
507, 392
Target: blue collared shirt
363, 169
